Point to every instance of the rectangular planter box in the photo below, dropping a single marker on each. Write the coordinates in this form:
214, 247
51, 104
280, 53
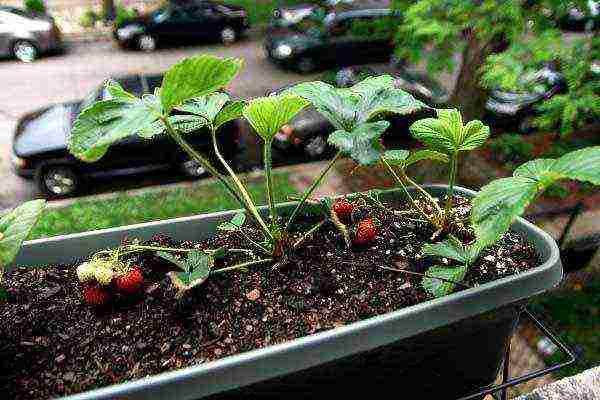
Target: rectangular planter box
440, 349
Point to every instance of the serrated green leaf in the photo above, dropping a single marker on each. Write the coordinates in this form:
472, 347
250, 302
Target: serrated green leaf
195, 77
268, 114
435, 133
172, 259
200, 264
106, 122
362, 144
338, 106
396, 158
117, 92
230, 112
446, 249
498, 204
182, 124
207, 107
439, 287
474, 135
420, 155
446, 133
236, 222
535, 168
581, 165
15, 226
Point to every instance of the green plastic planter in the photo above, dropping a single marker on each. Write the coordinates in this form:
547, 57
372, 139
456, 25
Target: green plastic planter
440, 349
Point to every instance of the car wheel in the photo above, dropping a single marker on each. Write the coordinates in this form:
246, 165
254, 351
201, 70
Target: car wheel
58, 181
193, 169
146, 43
306, 65
228, 35
25, 51
315, 147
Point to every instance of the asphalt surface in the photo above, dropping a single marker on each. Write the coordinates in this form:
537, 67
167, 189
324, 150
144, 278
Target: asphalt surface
70, 76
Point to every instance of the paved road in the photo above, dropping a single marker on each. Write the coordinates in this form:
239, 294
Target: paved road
26, 87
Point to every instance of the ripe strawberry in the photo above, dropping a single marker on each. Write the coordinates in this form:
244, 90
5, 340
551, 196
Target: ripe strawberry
343, 208
95, 295
130, 282
366, 231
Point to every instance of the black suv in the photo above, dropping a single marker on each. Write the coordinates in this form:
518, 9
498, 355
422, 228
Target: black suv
40, 145
183, 22
342, 38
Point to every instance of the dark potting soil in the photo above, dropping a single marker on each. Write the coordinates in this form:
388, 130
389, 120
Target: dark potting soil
53, 344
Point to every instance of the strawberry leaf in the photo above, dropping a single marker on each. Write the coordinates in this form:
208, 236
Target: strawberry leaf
228, 113
15, 226
268, 114
195, 77
362, 144
449, 277
234, 224
207, 107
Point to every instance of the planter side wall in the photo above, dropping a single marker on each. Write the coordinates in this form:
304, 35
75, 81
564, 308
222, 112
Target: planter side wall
389, 340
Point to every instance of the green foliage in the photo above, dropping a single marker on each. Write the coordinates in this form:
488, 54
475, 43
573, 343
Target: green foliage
367, 101
123, 14
88, 18
447, 134
194, 270
35, 6
440, 281
362, 144
268, 114
195, 77
234, 224
511, 147
404, 158
500, 202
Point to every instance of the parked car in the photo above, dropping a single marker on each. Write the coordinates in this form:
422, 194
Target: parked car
25, 35
183, 22
40, 145
342, 38
577, 19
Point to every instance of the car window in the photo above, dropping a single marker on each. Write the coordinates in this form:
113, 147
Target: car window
153, 82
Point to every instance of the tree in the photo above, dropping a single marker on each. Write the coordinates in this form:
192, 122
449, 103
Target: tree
500, 41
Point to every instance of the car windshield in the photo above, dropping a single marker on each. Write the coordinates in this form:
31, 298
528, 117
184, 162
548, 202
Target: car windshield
160, 14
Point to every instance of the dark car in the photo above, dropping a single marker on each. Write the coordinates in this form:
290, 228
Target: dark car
306, 135
183, 22
343, 38
25, 35
517, 109
40, 145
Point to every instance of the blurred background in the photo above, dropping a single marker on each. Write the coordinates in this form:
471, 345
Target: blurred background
528, 68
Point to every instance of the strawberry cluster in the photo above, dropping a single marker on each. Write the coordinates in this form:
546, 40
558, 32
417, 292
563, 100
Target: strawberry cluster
103, 278
367, 228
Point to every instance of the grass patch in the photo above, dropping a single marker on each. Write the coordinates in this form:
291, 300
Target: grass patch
85, 215
576, 317
260, 11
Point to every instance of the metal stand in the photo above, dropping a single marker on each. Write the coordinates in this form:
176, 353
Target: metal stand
508, 382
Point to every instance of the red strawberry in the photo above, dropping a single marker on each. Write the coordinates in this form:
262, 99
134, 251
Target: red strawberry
130, 282
343, 208
366, 231
95, 295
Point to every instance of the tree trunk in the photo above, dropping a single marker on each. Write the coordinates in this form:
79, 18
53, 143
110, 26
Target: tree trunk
468, 94
108, 10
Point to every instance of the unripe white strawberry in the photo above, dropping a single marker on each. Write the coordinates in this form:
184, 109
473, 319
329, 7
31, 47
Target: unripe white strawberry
104, 274
86, 272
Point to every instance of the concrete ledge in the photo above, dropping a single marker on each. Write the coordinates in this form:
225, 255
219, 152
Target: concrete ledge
585, 386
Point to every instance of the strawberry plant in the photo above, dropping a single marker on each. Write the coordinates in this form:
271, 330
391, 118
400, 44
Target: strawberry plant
15, 226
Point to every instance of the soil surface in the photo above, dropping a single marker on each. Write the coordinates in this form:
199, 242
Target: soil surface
53, 344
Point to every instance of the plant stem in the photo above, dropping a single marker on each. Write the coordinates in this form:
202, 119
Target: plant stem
193, 154
308, 234
241, 266
451, 182
399, 181
424, 192
258, 246
308, 192
268, 161
247, 200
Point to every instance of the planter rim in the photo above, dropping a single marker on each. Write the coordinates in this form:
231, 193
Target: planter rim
271, 361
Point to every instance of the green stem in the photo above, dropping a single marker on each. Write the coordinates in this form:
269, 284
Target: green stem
193, 154
241, 266
423, 192
308, 233
399, 181
247, 200
308, 192
268, 161
257, 245
451, 182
